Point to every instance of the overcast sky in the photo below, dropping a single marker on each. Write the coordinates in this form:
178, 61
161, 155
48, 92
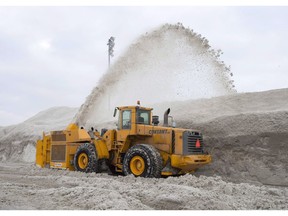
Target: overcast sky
54, 56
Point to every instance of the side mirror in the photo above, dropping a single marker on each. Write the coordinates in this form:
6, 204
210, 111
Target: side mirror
115, 111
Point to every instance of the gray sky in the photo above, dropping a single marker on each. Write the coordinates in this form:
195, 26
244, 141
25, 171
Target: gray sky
54, 56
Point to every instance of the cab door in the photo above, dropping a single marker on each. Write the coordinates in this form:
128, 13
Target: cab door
124, 124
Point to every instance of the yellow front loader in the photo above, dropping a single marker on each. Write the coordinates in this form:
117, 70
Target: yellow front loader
139, 146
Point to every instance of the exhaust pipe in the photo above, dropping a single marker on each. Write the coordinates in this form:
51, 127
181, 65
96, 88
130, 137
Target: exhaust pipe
166, 117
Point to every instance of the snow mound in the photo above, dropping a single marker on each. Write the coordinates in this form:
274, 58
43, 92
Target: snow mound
247, 135
17, 142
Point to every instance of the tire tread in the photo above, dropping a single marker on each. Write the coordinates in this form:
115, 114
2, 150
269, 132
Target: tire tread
152, 158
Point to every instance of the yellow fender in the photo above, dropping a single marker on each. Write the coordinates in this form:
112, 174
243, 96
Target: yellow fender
101, 148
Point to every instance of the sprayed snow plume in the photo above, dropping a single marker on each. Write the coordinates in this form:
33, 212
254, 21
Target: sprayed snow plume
172, 63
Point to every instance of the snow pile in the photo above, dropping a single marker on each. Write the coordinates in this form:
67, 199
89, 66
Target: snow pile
169, 64
29, 187
203, 110
245, 133
17, 142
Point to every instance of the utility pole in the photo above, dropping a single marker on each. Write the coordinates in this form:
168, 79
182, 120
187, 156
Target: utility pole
110, 44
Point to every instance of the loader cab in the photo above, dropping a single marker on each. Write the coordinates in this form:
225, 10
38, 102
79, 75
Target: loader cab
130, 116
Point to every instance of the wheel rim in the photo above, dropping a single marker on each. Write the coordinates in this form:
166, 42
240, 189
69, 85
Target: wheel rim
137, 165
83, 160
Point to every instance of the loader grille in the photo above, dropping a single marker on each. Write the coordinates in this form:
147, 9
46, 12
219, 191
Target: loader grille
190, 145
58, 153
58, 137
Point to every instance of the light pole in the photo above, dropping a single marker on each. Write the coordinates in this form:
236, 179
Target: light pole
110, 44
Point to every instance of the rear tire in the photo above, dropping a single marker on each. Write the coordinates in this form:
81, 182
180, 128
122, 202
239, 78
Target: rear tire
143, 160
85, 158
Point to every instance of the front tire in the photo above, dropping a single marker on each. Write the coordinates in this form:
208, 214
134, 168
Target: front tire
85, 158
143, 160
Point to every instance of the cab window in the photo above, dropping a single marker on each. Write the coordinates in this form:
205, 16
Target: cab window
143, 117
126, 119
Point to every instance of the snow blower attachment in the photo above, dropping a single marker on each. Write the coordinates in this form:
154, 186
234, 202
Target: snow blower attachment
138, 146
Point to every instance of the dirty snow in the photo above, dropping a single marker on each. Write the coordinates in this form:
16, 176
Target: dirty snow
28, 187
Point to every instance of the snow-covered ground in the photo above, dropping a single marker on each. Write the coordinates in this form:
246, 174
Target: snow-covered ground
24, 186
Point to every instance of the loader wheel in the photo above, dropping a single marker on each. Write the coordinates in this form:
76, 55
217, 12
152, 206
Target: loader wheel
143, 160
85, 158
